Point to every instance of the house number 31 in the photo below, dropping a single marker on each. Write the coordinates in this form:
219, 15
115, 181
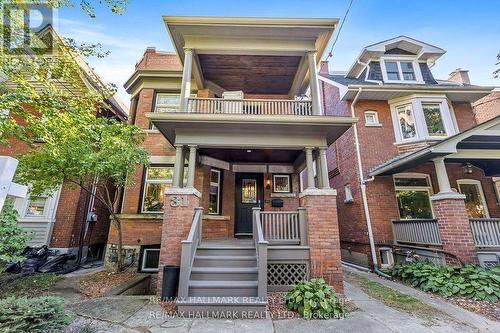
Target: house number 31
179, 201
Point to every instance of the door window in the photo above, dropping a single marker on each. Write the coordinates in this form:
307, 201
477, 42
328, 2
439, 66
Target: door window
248, 191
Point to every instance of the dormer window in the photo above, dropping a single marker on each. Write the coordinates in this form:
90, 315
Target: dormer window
401, 71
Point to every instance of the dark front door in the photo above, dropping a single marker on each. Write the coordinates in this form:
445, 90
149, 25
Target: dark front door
249, 194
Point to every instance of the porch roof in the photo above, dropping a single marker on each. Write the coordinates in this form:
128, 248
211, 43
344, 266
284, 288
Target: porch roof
479, 146
255, 55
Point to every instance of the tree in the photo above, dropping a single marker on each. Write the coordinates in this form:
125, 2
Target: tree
13, 238
85, 151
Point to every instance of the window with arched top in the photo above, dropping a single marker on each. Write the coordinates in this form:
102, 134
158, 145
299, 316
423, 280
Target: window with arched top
371, 118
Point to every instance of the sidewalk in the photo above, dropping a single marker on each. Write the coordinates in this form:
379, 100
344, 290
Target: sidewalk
137, 314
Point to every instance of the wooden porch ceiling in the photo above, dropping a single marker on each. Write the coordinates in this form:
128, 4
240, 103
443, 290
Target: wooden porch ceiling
252, 74
253, 156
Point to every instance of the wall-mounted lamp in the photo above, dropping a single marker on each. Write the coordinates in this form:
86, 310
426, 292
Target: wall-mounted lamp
268, 183
467, 167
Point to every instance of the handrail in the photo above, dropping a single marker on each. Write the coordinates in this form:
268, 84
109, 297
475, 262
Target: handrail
261, 250
282, 227
188, 252
486, 231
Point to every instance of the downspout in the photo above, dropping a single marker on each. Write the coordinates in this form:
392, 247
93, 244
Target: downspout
363, 191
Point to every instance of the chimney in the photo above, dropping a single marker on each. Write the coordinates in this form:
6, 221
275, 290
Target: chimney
150, 49
323, 67
460, 75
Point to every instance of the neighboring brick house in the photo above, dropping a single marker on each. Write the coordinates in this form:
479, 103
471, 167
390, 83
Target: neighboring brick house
230, 131
401, 170
57, 219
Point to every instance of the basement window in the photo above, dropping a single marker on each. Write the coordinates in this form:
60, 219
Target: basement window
386, 257
150, 259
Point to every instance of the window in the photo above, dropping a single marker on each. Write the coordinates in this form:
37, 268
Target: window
413, 197
386, 257
150, 260
281, 184
400, 70
157, 180
433, 119
167, 102
371, 118
249, 191
36, 206
475, 202
348, 194
214, 195
392, 70
406, 121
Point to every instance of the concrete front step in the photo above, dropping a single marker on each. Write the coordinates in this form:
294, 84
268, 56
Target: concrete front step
223, 288
224, 261
223, 307
224, 273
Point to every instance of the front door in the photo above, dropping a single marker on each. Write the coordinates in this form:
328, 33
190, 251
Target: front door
249, 194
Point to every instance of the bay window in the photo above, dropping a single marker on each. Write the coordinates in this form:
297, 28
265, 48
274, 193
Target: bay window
156, 181
413, 194
420, 118
166, 102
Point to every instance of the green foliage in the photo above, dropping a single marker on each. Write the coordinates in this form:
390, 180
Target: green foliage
13, 238
315, 299
469, 281
37, 314
30, 286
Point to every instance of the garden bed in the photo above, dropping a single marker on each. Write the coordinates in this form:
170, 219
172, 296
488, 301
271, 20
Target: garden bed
34, 285
102, 283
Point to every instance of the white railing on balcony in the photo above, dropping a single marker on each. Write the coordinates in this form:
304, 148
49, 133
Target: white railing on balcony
422, 232
249, 106
486, 232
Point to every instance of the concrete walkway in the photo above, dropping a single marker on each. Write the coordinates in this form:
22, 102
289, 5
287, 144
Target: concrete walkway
137, 314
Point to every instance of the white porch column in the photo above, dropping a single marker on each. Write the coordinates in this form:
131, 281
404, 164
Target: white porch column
310, 168
442, 175
313, 78
186, 78
177, 181
323, 166
192, 166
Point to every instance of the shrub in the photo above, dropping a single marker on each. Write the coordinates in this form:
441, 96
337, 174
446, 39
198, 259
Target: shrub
13, 238
34, 315
469, 281
314, 299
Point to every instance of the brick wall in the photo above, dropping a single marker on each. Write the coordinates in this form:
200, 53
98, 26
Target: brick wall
487, 107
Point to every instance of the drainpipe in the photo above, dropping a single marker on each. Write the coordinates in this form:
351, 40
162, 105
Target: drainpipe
363, 191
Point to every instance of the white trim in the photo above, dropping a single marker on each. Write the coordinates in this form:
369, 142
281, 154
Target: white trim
427, 188
480, 190
143, 260
342, 88
375, 114
398, 60
217, 184
289, 181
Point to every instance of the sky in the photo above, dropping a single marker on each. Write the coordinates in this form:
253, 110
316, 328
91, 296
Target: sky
468, 30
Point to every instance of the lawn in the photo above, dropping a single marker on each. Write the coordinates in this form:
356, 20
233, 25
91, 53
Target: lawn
32, 286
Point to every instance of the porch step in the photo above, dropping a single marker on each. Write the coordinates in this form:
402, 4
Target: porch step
224, 273
224, 261
225, 250
223, 288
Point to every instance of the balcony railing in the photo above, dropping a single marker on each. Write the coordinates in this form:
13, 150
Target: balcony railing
249, 106
486, 232
421, 232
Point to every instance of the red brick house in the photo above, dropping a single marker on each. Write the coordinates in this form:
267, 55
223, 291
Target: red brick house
237, 192
417, 172
58, 218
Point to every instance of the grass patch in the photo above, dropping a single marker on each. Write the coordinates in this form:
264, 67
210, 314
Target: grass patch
32, 286
395, 299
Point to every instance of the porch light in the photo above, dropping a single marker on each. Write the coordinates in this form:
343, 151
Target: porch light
268, 183
467, 167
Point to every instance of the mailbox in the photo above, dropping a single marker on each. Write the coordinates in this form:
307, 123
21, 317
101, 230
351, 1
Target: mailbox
277, 203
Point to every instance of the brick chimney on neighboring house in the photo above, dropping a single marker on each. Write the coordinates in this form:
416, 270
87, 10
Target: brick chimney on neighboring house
460, 75
323, 67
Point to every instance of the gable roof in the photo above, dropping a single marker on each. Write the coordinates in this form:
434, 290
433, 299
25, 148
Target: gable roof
397, 45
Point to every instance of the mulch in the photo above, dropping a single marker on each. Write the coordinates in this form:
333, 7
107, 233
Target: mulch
100, 283
484, 308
